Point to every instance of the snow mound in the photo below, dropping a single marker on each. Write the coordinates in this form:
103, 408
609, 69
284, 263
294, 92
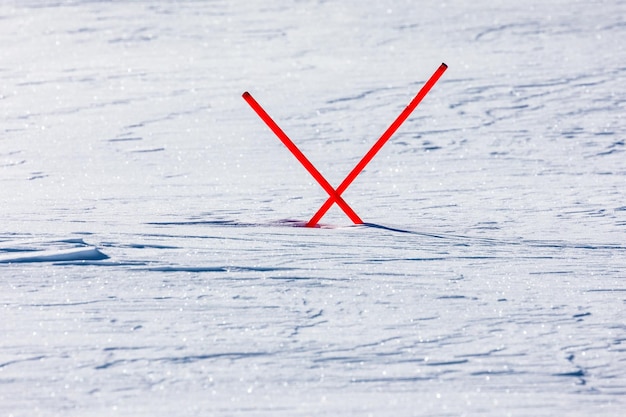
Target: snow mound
55, 251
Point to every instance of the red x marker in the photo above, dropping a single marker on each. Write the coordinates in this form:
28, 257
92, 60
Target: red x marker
335, 194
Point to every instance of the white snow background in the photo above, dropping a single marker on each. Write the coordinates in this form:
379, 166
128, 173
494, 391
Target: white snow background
146, 267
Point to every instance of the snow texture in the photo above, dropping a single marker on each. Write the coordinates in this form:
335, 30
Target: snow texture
148, 261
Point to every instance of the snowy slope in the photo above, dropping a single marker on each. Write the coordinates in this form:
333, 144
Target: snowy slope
148, 259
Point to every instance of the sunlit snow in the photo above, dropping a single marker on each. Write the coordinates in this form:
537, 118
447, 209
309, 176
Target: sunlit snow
149, 263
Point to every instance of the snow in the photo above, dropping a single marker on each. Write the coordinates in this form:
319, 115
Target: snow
149, 263
25, 252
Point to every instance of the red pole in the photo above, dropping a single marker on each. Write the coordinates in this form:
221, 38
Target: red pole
334, 196
378, 145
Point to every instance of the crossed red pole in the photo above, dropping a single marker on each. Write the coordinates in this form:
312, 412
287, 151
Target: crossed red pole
335, 194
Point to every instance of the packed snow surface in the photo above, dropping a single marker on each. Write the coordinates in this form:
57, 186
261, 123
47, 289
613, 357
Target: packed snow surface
150, 259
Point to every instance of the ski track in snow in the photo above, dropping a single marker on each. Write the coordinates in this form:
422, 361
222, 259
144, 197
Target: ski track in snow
146, 264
